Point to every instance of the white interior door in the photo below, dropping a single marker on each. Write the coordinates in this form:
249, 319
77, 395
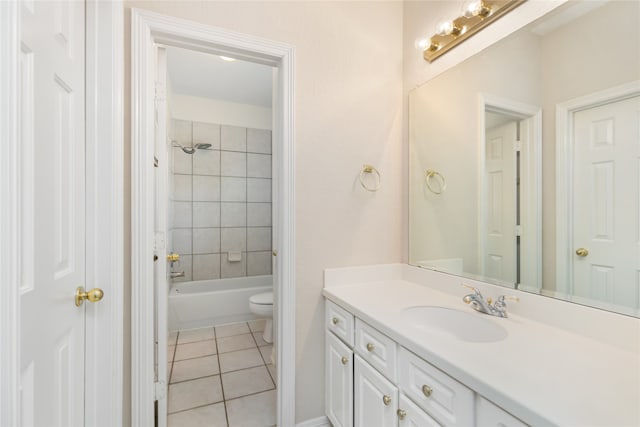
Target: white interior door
606, 216
52, 93
500, 226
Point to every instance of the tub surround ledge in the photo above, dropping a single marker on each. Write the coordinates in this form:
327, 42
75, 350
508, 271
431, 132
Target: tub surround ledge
560, 364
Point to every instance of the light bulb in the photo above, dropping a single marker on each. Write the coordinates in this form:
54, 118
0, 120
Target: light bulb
444, 27
475, 8
422, 43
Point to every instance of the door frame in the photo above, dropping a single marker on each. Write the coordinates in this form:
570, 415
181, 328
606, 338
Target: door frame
532, 224
564, 173
104, 214
148, 28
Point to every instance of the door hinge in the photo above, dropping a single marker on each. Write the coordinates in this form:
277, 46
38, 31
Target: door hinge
160, 390
517, 146
518, 230
160, 92
155, 162
159, 241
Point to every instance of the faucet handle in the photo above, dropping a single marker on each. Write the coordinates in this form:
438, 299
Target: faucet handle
475, 290
501, 298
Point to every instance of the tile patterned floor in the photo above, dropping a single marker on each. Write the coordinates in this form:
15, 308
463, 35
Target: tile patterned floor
221, 377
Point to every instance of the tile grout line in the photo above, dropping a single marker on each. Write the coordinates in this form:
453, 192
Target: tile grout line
215, 335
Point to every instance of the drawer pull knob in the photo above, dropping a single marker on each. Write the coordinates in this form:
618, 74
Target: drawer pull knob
344, 360
401, 414
427, 390
370, 347
335, 320
386, 400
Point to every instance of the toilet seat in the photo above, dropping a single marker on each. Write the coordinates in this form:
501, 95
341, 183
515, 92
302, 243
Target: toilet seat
264, 298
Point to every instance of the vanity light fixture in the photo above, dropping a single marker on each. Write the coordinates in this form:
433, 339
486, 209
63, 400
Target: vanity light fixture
476, 14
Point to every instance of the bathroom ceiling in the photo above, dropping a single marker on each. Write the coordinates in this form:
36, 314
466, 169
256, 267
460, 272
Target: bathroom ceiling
205, 75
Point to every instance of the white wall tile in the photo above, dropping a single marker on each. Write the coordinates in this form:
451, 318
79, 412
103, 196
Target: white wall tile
206, 188
258, 190
258, 165
181, 215
182, 132
259, 263
181, 161
206, 240
182, 187
234, 189
233, 214
208, 133
206, 214
259, 141
233, 138
233, 239
206, 162
259, 214
233, 269
233, 164
259, 239
181, 238
184, 264
206, 267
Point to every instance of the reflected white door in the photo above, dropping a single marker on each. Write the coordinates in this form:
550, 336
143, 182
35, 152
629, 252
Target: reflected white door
606, 216
500, 226
53, 213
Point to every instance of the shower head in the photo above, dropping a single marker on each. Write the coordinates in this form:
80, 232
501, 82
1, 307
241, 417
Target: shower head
190, 150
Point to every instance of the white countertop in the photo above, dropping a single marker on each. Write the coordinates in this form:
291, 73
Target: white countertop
539, 373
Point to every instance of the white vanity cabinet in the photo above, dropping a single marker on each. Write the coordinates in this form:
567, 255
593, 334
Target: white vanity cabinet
375, 397
339, 383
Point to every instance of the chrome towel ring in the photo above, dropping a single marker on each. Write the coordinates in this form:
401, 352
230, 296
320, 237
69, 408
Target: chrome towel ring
434, 181
370, 170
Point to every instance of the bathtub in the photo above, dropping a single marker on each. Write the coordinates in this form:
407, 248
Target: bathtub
213, 302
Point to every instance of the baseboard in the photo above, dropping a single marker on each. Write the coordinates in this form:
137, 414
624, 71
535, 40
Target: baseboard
315, 422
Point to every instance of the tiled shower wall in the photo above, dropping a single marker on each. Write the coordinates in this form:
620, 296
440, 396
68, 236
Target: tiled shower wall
221, 201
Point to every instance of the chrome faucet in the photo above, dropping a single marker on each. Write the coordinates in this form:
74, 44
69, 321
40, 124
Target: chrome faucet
478, 303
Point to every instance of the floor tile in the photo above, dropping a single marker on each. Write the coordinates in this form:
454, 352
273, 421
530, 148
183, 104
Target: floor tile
232, 329
235, 343
194, 393
172, 337
259, 340
195, 335
246, 381
196, 349
266, 353
272, 371
257, 410
242, 359
194, 368
205, 416
257, 325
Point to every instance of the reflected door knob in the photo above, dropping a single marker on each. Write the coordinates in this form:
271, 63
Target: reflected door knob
582, 252
94, 295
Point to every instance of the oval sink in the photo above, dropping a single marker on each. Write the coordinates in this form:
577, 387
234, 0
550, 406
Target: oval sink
462, 325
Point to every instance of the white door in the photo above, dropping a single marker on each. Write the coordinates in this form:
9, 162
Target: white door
500, 226
52, 93
606, 217
375, 398
339, 382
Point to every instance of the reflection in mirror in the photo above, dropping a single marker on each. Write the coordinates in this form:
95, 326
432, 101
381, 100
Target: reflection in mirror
538, 140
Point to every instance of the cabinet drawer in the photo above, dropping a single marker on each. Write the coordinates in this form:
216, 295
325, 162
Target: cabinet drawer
489, 415
444, 398
377, 349
410, 415
340, 322
375, 398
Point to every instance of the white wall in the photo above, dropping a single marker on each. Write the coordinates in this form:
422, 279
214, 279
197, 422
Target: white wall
198, 109
348, 110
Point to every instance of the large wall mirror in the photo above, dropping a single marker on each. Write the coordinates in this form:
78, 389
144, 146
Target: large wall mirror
525, 160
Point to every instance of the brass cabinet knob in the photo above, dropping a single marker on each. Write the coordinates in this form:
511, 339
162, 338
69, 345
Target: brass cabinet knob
344, 360
173, 257
582, 252
427, 391
94, 295
386, 400
335, 320
370, 347
402, 414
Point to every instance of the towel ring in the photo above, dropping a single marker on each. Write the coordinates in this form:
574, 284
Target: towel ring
370, 169
430, 175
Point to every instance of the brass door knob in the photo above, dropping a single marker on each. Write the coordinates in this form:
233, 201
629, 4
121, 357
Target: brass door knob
370, 347
173, 257
94, 295
344, 360
402, 414
427, 391
582, 252
386, 400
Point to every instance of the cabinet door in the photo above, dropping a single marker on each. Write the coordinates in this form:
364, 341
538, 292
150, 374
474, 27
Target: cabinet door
376, 399
339, 382
490, 415
411, 415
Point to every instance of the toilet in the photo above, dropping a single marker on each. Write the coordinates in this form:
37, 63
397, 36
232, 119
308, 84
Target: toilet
262, 305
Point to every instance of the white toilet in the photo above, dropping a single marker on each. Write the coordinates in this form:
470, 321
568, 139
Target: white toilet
262, 305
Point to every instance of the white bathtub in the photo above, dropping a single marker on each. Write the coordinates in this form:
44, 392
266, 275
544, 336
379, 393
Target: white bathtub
213, 302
